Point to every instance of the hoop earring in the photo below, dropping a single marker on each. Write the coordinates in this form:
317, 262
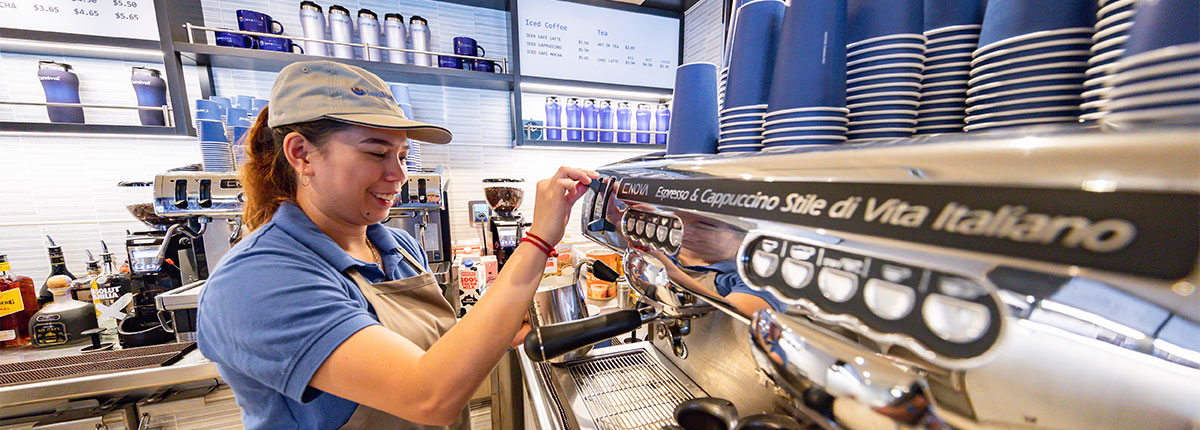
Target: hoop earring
304, 180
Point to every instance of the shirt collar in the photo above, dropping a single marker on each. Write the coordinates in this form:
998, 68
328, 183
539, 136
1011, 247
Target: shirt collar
291, 219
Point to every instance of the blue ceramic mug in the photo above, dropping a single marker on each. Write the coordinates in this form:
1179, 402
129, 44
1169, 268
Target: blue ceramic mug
258, 22
279, 44
488, 66
236, 40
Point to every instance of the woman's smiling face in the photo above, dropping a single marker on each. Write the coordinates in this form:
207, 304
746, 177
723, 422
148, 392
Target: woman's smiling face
358, 174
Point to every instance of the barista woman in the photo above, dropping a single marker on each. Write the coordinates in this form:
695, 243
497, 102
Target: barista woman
323, 318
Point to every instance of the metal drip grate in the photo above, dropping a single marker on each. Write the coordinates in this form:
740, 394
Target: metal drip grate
628, 391
87, 364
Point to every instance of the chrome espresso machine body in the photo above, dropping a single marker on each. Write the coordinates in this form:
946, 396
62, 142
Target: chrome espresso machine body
1038, 280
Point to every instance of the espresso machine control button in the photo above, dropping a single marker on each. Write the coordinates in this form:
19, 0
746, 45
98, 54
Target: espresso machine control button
205, 200
421, 197
676, 237
796, 273
955, 320
764, 263
181, 193
889, 300
662, 233
837, 285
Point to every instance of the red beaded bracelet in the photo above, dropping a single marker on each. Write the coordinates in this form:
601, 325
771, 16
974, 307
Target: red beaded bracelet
539, 246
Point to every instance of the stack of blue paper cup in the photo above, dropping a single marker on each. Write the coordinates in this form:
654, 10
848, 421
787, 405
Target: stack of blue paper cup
256, 106
1157, 78
884, 60
1031, 62
214, 145
951, 35
224, 104
693, 111
404, 100
723, 71
807, 102
752, 64
1108, 42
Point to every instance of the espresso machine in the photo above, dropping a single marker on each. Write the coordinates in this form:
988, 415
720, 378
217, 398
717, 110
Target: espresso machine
422, 210
504, 227
1037, 278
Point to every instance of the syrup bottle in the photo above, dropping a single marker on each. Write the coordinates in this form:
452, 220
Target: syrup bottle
18, 303
63, 321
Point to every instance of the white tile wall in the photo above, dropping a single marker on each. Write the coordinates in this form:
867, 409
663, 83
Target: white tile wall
65, 186
703, 32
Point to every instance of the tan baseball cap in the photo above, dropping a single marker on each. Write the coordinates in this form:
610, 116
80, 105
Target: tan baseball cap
312, 90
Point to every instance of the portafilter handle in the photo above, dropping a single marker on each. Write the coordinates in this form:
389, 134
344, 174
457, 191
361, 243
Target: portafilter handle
547, 342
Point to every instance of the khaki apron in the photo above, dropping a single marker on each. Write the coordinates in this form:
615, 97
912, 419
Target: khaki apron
415, 308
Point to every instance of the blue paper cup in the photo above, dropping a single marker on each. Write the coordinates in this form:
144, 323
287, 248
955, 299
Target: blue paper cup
211, 130
895, 48
1008, 18
207, 109
868, 81
937, 106
695, 107
1026, 93
865, 117
1077, 68
243, 102
802, 133
810, 69
1030, 61
1024, 114
737, 149
791, 142
1080, 35
897, 60
738, 126
1065, 102
752, 64
950, 50
867, 19
1051, 54
884, 70
897, 97
1163, 23
1027, 83
952, 37
827, 126
238, 118
890, 39
815, 111
223, 101
947, 13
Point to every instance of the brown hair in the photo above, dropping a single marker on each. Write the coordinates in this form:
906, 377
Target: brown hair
267, 177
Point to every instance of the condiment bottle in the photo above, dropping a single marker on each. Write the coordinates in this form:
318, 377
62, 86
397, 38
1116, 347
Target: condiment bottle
62, 321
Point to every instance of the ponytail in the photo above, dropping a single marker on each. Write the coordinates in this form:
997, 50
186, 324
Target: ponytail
267, 178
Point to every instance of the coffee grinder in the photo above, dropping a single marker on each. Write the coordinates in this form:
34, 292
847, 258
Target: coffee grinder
504, 228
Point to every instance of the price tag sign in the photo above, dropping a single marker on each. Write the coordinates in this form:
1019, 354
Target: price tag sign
131, 19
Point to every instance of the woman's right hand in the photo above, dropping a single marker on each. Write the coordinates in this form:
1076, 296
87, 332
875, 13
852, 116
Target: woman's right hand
555, 197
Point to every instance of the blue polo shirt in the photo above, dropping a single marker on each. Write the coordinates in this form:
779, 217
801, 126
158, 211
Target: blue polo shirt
278, 304
728, 281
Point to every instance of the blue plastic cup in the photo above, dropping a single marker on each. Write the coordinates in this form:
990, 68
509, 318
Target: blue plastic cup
238, 118
868, 19
947, 13
208, 109
695, 106
753, 54
211, 130
1162, 23
810, 69
1008, 18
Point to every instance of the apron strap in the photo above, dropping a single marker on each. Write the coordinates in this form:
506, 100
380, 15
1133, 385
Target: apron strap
412, 261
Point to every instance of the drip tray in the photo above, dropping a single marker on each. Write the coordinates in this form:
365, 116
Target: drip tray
616, 388
89, 364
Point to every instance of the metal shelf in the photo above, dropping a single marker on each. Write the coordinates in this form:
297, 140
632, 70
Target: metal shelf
79, 45
563, 144
598, 89
47, 127
271, 61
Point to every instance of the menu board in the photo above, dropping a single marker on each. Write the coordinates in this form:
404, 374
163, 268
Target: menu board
565, 40
131, 19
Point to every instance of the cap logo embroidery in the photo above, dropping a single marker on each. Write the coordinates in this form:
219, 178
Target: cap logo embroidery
358, 91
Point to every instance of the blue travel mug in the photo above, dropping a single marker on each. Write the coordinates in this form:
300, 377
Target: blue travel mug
61, 86
662, 122
643, 116
574, 120
624, 117
151, 91
605, 121
553, 119
589, 120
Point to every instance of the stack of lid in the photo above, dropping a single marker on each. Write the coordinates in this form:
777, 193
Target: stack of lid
885, 59
1031, 63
